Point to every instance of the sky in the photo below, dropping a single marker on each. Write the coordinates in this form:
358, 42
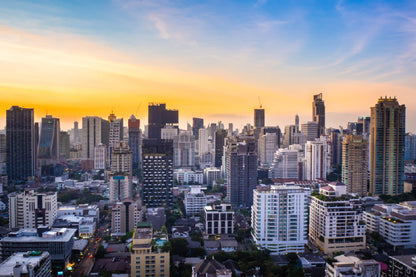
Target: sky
212, 59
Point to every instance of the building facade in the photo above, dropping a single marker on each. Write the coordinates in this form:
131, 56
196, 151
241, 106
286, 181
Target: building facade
318, 159
125, 215
318, 113
95, 130
135, 141
285, 165
219, 219
195, 201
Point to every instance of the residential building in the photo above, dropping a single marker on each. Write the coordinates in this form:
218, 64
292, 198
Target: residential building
30, 209
158, 118
241, 171
21, 146
211, 174
219, 219
267, 146
352, 266
100, 157
403, 266
116, 132
125, 215
387, 145
195, 201
318, 158
336, 220
310, 129
355, 164
187, 176
285, 165
135, 141
318, 113
279, 218
121, 173
58, 242
95, 131
31, 263
147, 257
157, 173
183, 150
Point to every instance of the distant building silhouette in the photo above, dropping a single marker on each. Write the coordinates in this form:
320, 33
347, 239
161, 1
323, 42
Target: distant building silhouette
318, 113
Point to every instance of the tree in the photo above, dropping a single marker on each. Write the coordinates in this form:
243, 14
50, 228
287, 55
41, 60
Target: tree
179, 246
100, 251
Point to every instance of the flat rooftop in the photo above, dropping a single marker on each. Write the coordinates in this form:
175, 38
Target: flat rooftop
24, 258
31, 235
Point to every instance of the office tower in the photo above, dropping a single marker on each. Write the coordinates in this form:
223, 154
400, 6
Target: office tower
157, 173
183, 150
125, 215
241, 172
297, 122
65, 145
318, 113
148, 258
258, 118
289, 136
30, 209
3, 154
135, 141
410, 147
336, 147
279, 217
159, 116
318, 159
285, 165
336, 220
100, 157
219, 219
77, 137
95, 130
219, 141
310, 129
20, 144
195, 201
121, 173
355, 164
387, 147
49, 142
197, 123
267, 146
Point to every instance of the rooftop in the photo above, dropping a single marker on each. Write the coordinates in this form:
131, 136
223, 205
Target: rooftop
408, 260
31, 235
32, 258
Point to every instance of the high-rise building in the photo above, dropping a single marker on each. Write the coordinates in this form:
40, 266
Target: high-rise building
219, 141
336, 147
125, 215
148, 258
318, 158
159, 116
121, 173
197, 123
310, 129
65, 145
267, 146
297, 122
135, 141
289, 136
355, 164
100, 157
318, 113
336, 220
95, 130
183, 150
410, 147
285, 165
258, 118
279, 217
387, 145
3, 154
157, 172
365, 121
49, 142
30, 209
241, 171
20, 144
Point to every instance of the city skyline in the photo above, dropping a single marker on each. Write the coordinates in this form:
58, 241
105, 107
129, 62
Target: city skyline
71, 60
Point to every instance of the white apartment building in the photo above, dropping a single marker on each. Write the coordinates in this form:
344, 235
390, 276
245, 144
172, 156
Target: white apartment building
351, 266
195, 201
279, 218
336, 220
318, 158
30, 209
187, 175
219, 219
100, 157
285, 165
267, 146
395, 222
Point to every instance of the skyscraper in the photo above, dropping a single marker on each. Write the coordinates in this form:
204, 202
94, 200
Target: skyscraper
159, 116
121, 173
95, 130
197, 123
318, 113
258, 118
157, 172
355, 164
219, 140
318, 158
310, 129
183, 150
65, 145
20, 143
267, 146
387, 147
241, 167
115, 133
49, 142
410, 147
135, 141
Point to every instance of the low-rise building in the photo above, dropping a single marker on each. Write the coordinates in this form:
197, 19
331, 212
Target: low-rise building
195, 201
31, 263
83, 210
147, 257
352, 266
85, 226
219, 219
182, 175
210, 268
58, 242
403, 266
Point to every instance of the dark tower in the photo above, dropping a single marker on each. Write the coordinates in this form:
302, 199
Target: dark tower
258, 118
220, 136
159, 116
318, 113
197, 123
135, 141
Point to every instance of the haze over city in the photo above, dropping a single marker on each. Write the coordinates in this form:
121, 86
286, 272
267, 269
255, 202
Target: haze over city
207, 59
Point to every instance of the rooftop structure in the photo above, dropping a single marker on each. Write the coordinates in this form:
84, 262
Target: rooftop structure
32, 263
